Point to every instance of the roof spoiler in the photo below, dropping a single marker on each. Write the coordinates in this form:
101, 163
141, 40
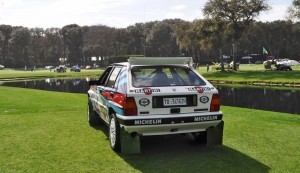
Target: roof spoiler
161, 60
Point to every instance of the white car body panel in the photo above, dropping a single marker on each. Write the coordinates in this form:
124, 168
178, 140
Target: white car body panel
149, 112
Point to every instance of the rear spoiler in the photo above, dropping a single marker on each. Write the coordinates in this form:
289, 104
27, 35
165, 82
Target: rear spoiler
161, 60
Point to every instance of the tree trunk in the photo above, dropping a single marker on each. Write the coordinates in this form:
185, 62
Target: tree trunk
221, 59
233, 57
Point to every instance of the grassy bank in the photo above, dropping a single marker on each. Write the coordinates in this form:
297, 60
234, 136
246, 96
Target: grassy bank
12, 74
254, 74
44, 131
247, 74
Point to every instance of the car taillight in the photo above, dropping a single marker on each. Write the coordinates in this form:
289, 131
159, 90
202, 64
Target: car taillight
215, 103
130, 108
128, 104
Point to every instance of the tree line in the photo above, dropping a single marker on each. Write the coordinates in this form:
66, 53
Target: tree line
205, 40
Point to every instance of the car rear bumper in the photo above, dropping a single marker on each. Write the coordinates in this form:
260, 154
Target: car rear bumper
169, 124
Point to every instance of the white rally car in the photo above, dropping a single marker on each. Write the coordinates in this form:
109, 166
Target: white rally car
154, 96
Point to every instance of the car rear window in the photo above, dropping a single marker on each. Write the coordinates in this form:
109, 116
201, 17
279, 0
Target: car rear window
153, 76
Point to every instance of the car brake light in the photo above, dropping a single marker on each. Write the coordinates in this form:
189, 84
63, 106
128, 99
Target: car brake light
128, 104
130, 108
215, 103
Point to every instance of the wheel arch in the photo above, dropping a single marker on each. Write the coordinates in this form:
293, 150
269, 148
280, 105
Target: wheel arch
111, 111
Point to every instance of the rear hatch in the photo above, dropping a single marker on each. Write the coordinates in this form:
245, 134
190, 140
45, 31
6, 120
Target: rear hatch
173, 100
168, 89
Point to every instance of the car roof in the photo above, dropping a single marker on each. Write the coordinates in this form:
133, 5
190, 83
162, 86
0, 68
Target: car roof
121, 64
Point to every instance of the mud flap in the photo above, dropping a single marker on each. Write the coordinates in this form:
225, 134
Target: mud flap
215, 134
129, 144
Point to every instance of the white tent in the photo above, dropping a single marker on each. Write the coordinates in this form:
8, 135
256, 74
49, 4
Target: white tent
288, 62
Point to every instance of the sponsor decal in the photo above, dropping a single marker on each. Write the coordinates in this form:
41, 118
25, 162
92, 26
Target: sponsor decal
147, 122
199, 89
144, 102
172, 121
147, 91
204, 99
206, 118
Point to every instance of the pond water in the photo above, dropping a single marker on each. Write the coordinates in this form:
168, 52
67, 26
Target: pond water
278, 100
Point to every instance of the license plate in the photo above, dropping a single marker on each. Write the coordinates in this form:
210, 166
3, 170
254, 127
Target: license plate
179, 101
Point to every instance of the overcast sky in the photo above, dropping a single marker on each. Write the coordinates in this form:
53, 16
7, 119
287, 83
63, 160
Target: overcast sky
113, 13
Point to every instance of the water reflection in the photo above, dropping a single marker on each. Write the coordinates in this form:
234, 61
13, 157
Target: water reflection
257, 98
261, 98
61, 85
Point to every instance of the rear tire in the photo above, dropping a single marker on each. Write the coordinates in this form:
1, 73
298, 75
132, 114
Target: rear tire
114, 133
93, 118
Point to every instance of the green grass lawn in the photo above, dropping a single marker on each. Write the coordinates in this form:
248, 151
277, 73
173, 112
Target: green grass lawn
43, 131
253, 73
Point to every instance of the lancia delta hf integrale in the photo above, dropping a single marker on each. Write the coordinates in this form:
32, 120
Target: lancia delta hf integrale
154, 96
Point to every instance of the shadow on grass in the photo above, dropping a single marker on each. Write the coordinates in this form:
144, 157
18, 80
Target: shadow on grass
102, 127
179, 153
